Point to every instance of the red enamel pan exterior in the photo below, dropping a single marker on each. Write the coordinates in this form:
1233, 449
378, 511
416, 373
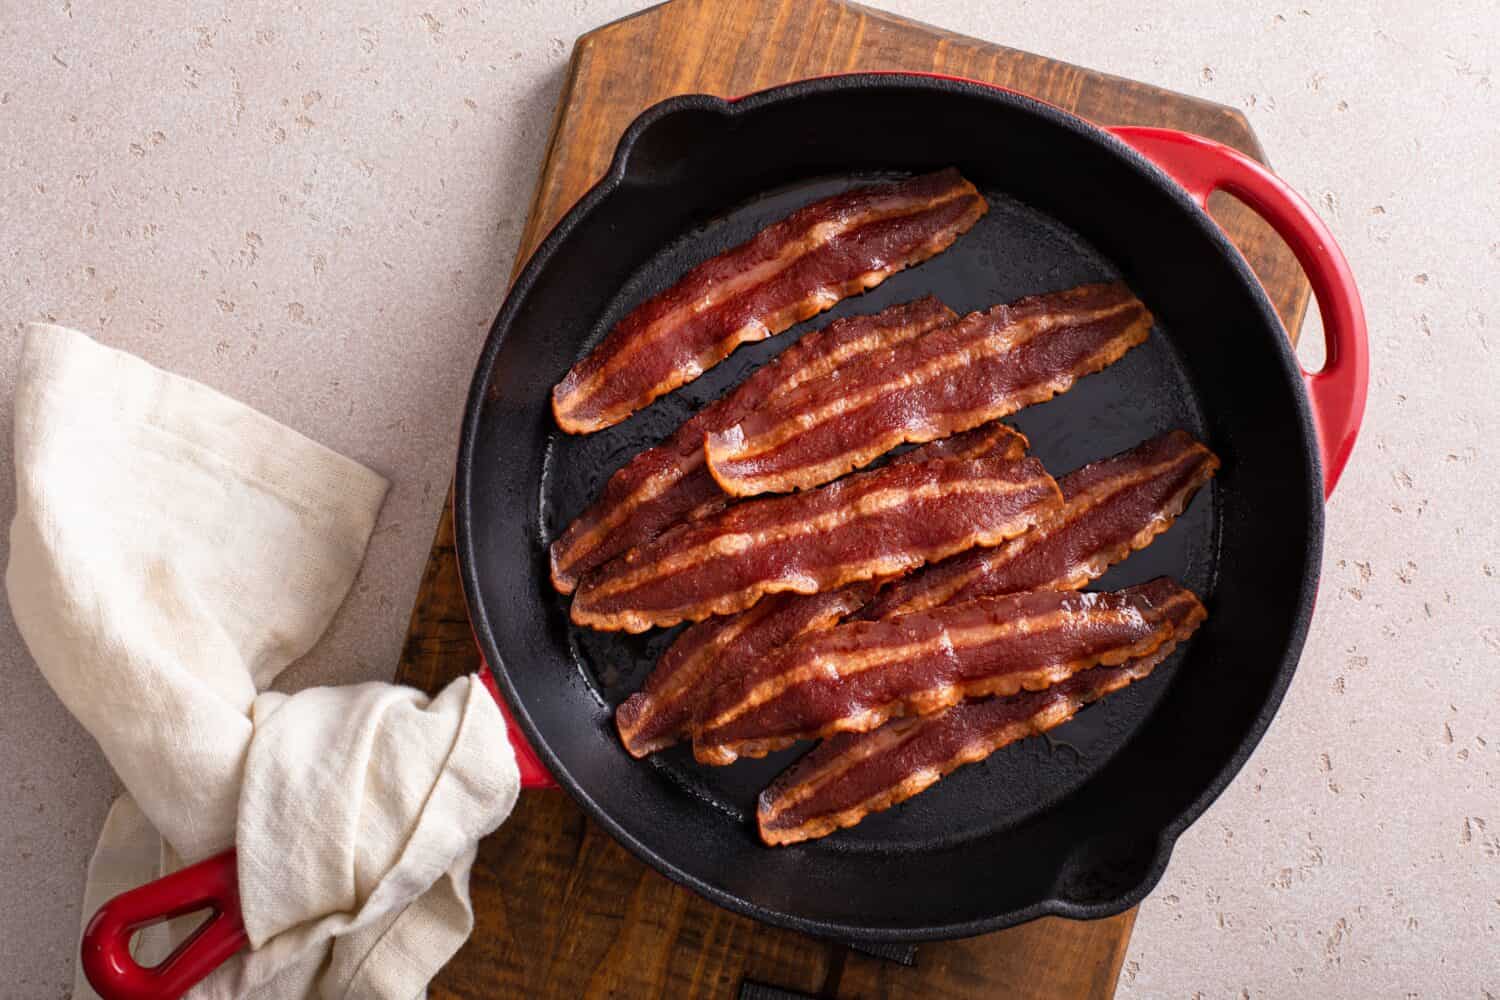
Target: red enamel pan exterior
1333, 403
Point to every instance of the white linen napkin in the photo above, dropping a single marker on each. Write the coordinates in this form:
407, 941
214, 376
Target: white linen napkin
172, 552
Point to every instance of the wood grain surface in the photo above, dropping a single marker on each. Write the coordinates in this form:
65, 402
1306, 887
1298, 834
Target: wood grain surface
563, 911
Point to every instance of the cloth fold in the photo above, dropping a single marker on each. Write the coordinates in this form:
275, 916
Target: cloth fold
172, 552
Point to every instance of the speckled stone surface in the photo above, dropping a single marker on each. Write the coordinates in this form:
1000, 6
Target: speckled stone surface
314, 209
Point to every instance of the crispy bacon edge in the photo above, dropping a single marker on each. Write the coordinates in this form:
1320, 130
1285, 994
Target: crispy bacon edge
792, 270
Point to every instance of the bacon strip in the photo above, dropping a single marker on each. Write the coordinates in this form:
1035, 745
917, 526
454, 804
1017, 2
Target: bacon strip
849, 776
793, 269
670, 483
853, 677
1113, 507
878, 523
984, 366
661, 713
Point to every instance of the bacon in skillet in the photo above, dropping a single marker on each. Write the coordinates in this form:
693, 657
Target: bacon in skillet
849, 776
793, 269
878, 523
662, 712
984, 366
1113, 507
670, 483
853, 677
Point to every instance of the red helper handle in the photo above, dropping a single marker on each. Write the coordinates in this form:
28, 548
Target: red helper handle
1203, 166
211, 884
1337, 393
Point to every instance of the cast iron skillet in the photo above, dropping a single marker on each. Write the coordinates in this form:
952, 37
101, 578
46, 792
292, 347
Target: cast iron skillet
1080, 825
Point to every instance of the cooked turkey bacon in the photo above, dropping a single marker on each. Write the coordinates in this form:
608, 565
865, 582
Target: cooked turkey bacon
984, 366
1113, 507
670, 483
853, 677
663, 710
849, 776
874, 524
793, 269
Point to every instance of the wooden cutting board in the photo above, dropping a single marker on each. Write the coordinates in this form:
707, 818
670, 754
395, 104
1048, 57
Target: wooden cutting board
560, 909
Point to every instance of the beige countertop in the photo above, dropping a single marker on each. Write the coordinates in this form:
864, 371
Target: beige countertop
315, 210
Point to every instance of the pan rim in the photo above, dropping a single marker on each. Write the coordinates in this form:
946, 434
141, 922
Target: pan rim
495, 661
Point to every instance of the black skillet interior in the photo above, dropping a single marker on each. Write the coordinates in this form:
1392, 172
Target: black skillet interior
1079, 824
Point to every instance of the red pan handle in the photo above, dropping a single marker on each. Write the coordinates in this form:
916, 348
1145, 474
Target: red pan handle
1337, 393
210, 884
115, 974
